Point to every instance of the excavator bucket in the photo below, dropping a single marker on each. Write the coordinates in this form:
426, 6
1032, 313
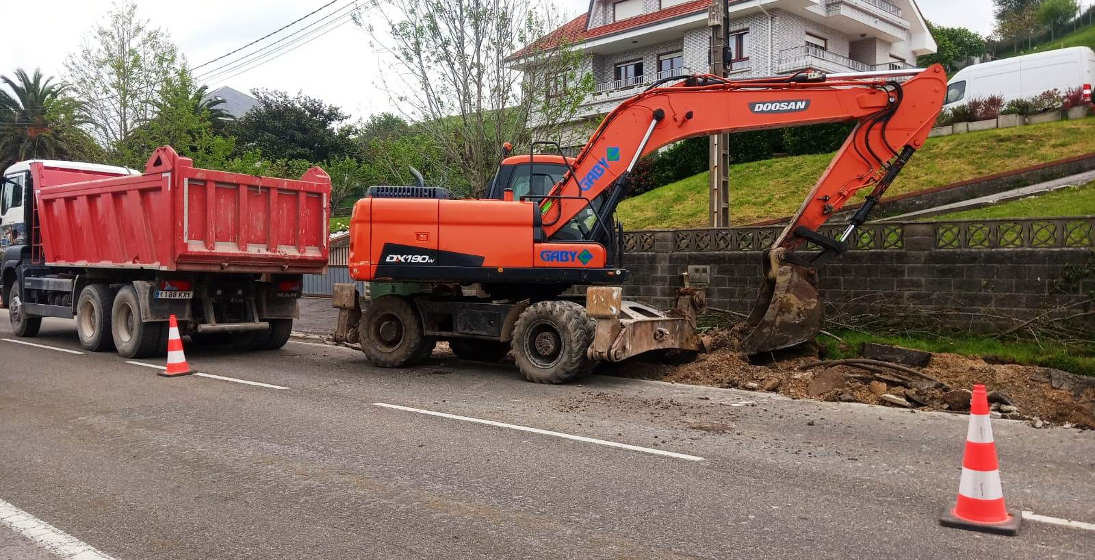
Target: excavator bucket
787, 312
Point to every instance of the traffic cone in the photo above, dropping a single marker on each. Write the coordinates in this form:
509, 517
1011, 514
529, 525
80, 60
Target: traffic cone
176, 360
980, 505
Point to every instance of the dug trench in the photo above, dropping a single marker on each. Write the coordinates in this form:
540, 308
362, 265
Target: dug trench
939, 382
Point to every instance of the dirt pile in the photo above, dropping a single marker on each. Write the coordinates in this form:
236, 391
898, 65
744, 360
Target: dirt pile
1032, 393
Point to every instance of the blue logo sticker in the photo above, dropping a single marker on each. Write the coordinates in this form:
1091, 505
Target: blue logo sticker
613, 153
585, 256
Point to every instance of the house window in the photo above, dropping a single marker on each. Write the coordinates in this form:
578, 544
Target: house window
556, 85
739, 45
626, 9
629, 73
670, 65
817, 42
670, 3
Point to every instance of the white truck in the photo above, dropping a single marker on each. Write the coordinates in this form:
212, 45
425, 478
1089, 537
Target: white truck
1024, 76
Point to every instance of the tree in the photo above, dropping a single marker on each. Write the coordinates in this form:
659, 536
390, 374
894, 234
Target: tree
1017, 25
185, 120
301, 127
473, 74
955, 45
118, 72
1056, 13
1006, 8
38, 119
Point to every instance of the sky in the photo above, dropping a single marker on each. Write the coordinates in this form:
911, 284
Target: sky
340, 67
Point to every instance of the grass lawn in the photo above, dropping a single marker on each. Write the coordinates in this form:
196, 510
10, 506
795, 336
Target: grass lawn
774, 188
1083, 37
340, 223
1073, 358
1069, 201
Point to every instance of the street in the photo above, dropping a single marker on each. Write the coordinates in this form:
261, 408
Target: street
324, 456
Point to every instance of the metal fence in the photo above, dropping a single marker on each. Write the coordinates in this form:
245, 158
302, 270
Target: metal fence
323, 284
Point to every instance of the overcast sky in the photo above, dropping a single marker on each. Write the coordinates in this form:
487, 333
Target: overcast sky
339, 67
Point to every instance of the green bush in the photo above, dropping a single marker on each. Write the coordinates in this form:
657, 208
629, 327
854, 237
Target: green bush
816, 139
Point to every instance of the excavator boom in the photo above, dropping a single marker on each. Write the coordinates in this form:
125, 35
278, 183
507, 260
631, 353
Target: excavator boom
892, 119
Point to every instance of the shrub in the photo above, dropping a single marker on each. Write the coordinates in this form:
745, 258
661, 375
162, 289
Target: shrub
1048, 101
962, 113
1074, 98
945, 118
1022, 106
990, 107
816, 139
683, 159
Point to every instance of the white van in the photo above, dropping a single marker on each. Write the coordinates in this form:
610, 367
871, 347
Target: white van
1024, 76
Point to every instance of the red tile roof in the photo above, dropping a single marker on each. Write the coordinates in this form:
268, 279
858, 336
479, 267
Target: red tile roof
575, 30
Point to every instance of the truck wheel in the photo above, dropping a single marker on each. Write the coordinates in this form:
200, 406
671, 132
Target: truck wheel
550, 340
132, 337
277, 336
93, 318
479, 350
391, 333
21, 324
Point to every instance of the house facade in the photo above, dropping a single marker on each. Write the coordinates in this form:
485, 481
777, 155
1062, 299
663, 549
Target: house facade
633, 43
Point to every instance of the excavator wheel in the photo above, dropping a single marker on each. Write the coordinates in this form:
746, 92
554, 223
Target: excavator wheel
391, 333
787, 312
479, 350
550, 340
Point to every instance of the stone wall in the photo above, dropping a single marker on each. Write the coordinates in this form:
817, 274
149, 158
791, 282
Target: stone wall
983, 276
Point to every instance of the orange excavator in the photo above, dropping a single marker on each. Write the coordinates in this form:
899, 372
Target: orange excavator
492, 276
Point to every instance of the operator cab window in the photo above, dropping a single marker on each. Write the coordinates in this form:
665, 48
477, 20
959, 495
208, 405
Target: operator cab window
956, 91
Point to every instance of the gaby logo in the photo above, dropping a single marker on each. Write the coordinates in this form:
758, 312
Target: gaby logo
612, 153
793, 106
582, 257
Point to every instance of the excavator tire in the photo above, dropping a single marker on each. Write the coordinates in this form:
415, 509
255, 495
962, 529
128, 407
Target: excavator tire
550, 340
391, 333
479, 350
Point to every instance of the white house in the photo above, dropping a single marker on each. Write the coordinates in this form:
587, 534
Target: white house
632, 43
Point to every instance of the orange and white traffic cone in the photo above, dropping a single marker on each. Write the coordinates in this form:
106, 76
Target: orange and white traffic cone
176, 360
980, 505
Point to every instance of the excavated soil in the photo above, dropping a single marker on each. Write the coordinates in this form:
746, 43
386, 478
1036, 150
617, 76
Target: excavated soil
1037, 394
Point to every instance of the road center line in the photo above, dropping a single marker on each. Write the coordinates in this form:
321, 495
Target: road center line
1031, 516
25, 343
47, 536
544, 432
211, 376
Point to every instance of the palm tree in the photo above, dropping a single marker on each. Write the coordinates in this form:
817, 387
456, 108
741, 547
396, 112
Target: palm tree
37, 118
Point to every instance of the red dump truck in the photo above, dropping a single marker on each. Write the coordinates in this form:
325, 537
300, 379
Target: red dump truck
121, 251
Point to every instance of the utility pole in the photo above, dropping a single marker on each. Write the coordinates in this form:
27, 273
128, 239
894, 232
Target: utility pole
718, 19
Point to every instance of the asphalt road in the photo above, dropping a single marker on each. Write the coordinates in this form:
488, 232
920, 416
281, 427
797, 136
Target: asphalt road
144, 467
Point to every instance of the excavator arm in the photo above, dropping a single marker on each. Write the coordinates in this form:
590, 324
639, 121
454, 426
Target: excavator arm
892, 119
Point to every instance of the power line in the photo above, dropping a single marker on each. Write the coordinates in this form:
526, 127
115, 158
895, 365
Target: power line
232, 65
285, 50
252, 60
290, 24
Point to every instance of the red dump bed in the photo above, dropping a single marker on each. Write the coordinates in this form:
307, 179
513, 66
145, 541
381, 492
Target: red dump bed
178, 217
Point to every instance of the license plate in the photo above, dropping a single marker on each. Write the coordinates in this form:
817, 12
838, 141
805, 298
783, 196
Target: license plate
177, 294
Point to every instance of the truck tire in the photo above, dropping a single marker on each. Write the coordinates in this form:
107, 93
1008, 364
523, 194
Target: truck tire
550, 340
21, 324
276, 337
391, 333
132, 337
93, 311
479, 350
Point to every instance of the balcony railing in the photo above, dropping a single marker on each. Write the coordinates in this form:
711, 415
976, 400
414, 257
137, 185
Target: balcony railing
638, 81
895, 65
880, 4
797, 58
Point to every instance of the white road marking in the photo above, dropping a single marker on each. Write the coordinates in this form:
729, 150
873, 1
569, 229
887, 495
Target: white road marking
47, 536
211, 376
544, 432
25, 343
1031, 516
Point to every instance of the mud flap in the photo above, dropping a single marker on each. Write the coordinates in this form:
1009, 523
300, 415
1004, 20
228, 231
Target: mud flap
787, 312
